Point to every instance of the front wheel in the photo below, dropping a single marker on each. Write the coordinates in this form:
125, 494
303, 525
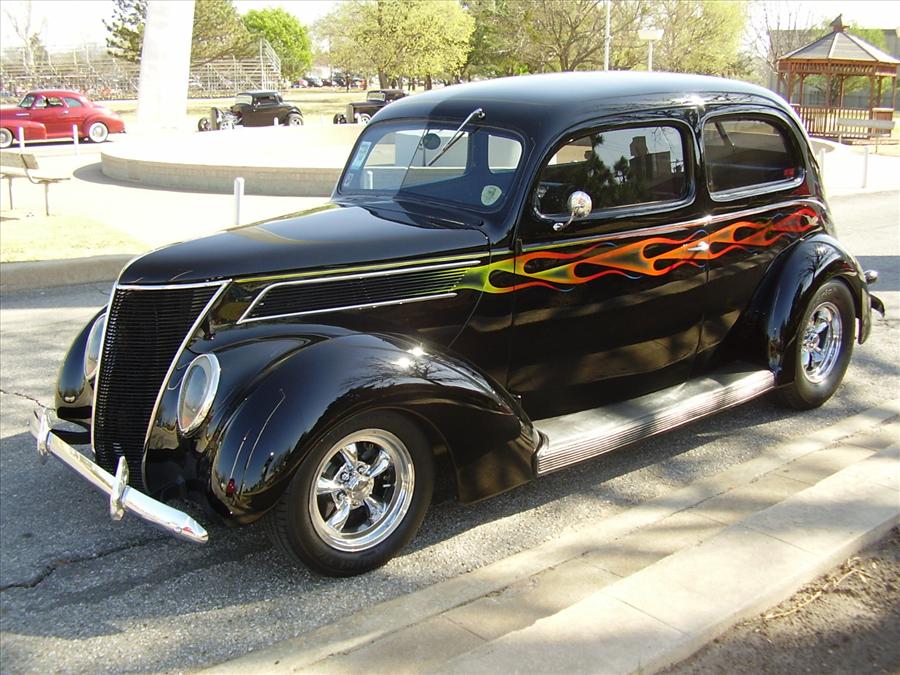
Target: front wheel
203, 124
357, 498
824, 343
295, 120
6, 138
98, 132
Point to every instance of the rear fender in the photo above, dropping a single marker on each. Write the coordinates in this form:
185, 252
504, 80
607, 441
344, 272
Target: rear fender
299, 398
781, 302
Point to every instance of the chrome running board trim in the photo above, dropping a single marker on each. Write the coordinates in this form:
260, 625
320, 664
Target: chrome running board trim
580, 436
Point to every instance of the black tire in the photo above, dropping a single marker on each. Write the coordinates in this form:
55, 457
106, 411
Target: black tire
298, 524
295, 120
339, 119
203, 124
363, 118
822, 349
6, 138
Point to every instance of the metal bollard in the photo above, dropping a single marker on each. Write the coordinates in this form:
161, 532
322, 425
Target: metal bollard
21, 139
75, 137
275, 121
820, 157
238, 196
865, 181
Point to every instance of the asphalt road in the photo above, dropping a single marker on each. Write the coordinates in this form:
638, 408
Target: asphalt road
80, 593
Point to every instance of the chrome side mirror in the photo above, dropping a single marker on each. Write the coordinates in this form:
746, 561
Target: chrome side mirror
579, 205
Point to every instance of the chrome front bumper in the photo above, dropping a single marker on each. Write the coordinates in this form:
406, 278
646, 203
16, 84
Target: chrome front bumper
122, 498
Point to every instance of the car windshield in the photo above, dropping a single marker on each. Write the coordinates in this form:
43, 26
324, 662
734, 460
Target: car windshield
27, 102
243, 99
410, 159
376, 96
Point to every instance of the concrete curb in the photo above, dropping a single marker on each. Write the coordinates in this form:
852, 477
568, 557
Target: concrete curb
18, 276
313, 650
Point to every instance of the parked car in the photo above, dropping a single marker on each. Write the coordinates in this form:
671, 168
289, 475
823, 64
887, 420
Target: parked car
513, 276
253, 109
51, 113
314, 81
360, 112
300, 84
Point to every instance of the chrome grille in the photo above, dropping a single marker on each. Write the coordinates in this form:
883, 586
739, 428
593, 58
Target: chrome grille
144, 331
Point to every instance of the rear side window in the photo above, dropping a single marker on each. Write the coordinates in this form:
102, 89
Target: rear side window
747, 153
616, 167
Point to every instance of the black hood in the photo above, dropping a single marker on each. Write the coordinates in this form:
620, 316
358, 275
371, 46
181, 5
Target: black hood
334, 236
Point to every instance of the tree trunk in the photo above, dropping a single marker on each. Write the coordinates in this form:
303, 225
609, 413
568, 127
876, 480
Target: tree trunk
428, 83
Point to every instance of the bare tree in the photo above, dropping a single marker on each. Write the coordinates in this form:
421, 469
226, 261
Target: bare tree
779, 28
22, 24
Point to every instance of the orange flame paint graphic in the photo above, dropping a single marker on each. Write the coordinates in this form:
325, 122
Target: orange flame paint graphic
655, 256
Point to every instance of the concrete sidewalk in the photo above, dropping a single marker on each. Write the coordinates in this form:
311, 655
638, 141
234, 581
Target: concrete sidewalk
641, 590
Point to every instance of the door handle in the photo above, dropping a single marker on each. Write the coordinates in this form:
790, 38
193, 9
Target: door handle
699, 247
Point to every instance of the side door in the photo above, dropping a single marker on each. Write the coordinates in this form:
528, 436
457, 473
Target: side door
77, 112
263, 112
760, 202
55, 117
611, 304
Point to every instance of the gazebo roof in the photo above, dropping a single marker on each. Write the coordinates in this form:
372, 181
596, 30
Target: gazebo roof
840, 46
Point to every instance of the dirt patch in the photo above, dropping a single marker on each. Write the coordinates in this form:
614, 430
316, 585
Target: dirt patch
847, 621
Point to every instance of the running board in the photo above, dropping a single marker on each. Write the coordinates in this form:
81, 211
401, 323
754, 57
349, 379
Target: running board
589, 433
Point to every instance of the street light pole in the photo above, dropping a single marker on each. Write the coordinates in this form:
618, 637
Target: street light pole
651, 35
607, 39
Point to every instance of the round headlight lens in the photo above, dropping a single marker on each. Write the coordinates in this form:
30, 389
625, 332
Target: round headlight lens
198, 388
92, 348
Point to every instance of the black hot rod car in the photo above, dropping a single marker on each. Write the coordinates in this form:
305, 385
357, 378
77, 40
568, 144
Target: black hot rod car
360, 112
513, 276
253, 109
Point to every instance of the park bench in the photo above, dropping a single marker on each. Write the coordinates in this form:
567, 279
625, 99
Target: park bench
849, 125
15, 164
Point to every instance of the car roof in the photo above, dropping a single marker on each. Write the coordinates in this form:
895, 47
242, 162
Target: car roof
57, 92
543, 106
260, 92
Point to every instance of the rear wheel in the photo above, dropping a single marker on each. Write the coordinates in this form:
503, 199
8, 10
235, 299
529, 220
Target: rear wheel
6, 138
357, 498
98, 132
824, 343
363, 118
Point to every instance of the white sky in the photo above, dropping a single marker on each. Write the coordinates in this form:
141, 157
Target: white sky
72, 23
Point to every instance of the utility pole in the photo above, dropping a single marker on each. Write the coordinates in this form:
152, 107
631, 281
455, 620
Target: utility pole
607, 39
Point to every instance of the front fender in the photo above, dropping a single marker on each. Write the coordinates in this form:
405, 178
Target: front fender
74, 393
260, 443
808, 265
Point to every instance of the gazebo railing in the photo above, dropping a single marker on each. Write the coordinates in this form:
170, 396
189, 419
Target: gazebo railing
821, 121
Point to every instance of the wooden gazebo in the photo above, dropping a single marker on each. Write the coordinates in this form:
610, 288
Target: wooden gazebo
838, 56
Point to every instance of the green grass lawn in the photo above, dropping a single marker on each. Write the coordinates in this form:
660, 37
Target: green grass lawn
27, 236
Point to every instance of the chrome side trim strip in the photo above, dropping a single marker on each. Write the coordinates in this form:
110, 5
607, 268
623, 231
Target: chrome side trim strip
171, 287
122, 497
580, 436
665, 229
371, 305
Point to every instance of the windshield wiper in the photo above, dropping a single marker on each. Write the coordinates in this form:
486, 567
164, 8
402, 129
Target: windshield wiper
477, 113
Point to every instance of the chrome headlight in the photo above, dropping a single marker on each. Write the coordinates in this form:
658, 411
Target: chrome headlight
198, 389
92, 348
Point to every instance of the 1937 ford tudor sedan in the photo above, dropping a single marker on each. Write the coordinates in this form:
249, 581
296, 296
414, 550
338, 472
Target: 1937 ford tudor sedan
512, 276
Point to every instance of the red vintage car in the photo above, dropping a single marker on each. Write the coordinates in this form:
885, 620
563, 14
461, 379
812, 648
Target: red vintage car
51, 113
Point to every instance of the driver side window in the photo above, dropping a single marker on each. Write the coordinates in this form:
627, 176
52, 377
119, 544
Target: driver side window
616, 167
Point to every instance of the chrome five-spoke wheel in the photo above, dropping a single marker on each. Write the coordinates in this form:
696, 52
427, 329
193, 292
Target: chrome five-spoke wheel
358, 496
364, 486
821, 344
